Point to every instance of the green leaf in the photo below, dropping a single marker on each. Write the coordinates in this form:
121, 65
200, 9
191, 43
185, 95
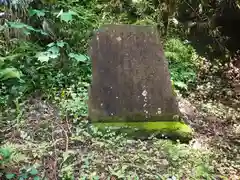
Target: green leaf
39, 13
65, 156
10, 176
36, 178
33, 171
59, 14
51, 44
60, 43
26, 28
180, 84
42, 32
95, 178
17, 25
66, 16
78, 57
9, 73
6, 153
53, 49
24, 176
53, 56
43, 57
30, 28
51, 53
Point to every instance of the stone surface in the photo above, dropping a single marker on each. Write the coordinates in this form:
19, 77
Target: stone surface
130, 76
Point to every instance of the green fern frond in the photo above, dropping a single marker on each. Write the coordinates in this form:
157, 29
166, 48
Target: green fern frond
10, 154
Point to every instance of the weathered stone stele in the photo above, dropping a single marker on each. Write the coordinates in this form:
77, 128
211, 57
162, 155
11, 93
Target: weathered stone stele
131, 83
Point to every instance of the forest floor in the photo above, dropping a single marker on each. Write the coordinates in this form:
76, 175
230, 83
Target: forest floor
61, 147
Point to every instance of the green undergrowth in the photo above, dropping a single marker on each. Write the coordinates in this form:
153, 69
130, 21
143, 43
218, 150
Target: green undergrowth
89, 153
183, 63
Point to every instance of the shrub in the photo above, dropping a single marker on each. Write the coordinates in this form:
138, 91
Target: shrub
182, 65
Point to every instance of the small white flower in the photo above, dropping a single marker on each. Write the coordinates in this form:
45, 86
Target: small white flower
159, 111
119, 38
144, 93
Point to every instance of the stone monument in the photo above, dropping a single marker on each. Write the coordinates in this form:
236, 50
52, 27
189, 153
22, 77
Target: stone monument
131, 83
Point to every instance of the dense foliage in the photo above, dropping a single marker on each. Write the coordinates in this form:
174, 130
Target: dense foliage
44, 54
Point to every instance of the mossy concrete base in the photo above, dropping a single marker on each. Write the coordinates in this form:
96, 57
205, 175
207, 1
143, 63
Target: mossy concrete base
170, 129
138, 125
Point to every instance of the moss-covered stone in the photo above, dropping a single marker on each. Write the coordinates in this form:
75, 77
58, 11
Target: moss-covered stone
170, 129
137, 125
131, 85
